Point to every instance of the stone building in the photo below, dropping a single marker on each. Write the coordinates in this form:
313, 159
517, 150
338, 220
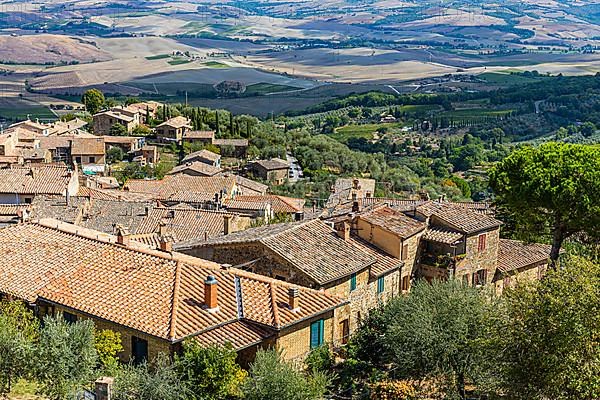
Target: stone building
157, 298
203, 156
173, 129
21, 184
103, 121
275, 170
312, 254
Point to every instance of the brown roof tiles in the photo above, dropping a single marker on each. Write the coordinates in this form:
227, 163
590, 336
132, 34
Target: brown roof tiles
393, 221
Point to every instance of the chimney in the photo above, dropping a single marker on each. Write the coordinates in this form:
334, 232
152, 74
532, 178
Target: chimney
103, 388
166, 243
227, 228
355, 184
343, 230
122, 235
210, 293
294, 298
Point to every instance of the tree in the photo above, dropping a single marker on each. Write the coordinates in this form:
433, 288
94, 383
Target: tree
210, 373
94, 100
272, 378
141, 130
553, 189
439, 332
66, 356
156, 382
548, 340
108, 345
118, 130
18, 330
114, 155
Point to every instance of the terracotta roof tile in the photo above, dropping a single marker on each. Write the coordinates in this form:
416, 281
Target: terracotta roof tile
459, 218
441, 235
279, 204
204, 154
393, 221
41, 179
186, 223
177, 122
514, 254
311, 246
240, 334
164, 189
199, 168
157, 293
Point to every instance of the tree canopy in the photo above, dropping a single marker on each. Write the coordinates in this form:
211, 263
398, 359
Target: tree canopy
552, 189
94, 100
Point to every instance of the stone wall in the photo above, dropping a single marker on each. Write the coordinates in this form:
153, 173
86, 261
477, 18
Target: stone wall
477, 260
155, 345
530, 273
295, 341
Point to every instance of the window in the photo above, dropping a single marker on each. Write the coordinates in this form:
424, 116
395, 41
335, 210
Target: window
92, 160
506, 282
381, 284
70, 318
404, 254
139, 350
28, 200
78, 160
280, 278
353, 282
479, 277
405, 283
345, 331
317, 333
481, 245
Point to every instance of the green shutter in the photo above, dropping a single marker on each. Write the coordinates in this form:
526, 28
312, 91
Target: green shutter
352, 282
381, 284
321, 332
316, 334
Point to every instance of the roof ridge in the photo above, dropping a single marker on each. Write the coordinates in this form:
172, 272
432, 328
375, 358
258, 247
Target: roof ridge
274, 306
175, 301
292, 226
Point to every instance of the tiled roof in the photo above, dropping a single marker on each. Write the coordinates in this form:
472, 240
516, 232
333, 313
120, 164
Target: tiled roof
393, 221
198, 167
199, 135
186, 223
13, 209
250, 187
116, 115
279, 204
442, 235
273, 164
311, 246
154, 292
205, 154
87, 146
460, 218
42, 179
385, 263
240, 334
514, 254
163, 189
177, 122
231, 142
92, 213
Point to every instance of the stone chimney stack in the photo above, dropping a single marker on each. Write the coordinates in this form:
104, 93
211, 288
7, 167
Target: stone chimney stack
122, 235
103, 388
227, 226
211, 293
294, 298
166, 243
343, 230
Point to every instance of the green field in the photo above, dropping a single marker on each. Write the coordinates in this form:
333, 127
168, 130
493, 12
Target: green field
475, 113
216, 64
179, 61
507, 79
17, 109
158, 57
260, 89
